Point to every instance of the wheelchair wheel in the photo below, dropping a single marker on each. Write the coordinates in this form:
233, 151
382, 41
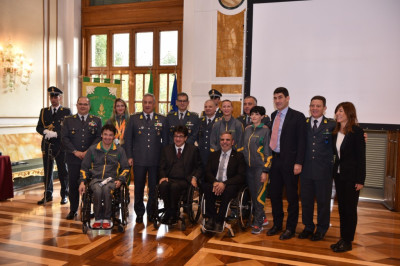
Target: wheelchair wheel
85, 207
245, 208
194, 204
84, 228
124, 198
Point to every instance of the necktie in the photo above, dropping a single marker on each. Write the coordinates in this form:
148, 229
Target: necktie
274, 136
181, 116
147, 118
54, 111
248, 120
179, 154
209, 121
314, 128
221, 168
82, 119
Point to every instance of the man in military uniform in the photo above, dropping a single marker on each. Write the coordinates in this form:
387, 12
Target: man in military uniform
205, 127
79, 132
227, 123
248, 103
49, 126
216, 97
316, 177
183, 117
147, 133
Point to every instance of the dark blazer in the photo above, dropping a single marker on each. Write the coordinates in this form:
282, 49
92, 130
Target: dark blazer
191, 161
78, 136
144, 140
318, 161
52, 123
293, 137
190, 120
236, 171
352, 156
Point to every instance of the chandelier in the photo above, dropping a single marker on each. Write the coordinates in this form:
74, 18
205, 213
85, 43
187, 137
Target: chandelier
15, 69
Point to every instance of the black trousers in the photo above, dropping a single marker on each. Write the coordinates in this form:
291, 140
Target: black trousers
48, 165
140, 173
74, 176
171, 191
321, 190
347, 197
229, 193
283, 176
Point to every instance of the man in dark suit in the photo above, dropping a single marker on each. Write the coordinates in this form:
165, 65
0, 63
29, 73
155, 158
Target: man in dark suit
49, 126
79, 132
316, 177
183, 117
225, 174
180, 166
146, 134
248, 103
205, 127
288, 140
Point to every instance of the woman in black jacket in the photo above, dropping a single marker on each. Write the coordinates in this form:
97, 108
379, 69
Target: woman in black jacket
349, 171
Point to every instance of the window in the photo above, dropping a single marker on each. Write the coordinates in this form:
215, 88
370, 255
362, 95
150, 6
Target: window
133, 55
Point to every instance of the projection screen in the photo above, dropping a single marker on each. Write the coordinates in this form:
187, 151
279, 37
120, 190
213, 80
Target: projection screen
345, 50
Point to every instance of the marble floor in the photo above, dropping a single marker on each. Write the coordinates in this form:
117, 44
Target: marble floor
38, 235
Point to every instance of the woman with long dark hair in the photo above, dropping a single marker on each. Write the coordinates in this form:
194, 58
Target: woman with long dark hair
349, 171
119, 119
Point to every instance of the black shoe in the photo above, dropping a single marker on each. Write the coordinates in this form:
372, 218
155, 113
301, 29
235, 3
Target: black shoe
41, 202
219, 226
343, 247
139, 219
150, 218
318, 236
164, 218
333, 246
286, 235
210, 224
231, 217
305, 234
64, 201
71, 215
274, 230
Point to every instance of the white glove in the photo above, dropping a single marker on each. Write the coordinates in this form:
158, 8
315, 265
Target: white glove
46, 136
51, 134
116, 141
46, 131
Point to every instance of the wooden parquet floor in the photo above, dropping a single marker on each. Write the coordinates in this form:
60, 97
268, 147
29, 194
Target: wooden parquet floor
37, 235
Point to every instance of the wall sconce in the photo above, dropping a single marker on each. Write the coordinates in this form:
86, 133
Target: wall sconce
15, 69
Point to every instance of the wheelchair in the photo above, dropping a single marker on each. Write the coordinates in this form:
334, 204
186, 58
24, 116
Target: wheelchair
119, 206
190, 203
241, 205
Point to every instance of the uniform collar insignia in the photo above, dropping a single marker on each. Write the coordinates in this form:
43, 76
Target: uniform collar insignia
141, 117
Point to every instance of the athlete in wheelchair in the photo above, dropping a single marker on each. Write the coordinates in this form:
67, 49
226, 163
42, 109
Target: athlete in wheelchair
224, 188
103, 183
180, 168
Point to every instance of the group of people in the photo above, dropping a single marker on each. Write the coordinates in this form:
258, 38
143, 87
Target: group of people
218, 153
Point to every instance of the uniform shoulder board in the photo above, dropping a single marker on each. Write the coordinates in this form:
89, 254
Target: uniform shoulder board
204, 118
172, 112
74, 116
137, 113
193, 113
